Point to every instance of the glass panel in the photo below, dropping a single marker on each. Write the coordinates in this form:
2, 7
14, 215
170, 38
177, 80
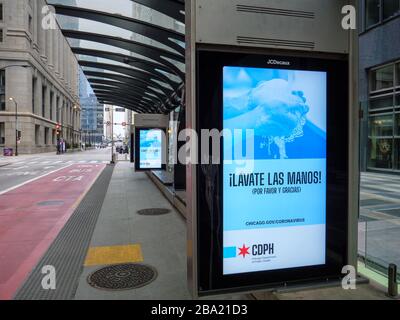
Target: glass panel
383, 234
390, 8
397, 100
379, 103
372, 12
381, 126
397, 152
2, 133
380, 153
398, 74
382, 78
397, 125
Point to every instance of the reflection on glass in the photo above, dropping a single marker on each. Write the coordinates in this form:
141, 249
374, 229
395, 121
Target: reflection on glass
379, 103
372, 12
398, 74
383, 78
381, 126
380, 153
397, 154
397, 125
390, 8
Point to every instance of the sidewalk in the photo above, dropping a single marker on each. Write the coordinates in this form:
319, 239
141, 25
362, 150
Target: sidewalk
116, 234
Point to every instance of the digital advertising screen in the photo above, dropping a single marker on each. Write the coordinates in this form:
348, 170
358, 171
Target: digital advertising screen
274, 197
274, 211
149, 149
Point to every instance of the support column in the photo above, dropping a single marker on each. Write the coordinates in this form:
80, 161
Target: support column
49, 47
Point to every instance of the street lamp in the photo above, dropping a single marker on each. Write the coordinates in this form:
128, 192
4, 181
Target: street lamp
16, 124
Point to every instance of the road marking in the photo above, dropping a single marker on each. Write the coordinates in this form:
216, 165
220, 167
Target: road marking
114, 255
31, 180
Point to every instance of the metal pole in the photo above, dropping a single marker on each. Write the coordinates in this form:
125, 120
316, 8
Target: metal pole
392, 278
16, 128
112, 135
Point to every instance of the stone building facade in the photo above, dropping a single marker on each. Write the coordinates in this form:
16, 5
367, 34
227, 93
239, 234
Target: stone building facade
40, 72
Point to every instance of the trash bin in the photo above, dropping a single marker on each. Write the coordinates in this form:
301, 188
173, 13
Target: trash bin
8, 152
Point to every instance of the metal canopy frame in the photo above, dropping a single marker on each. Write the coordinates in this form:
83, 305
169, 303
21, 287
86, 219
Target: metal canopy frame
120, 85
148, 30
153, 78
145, 65
140, 75
128, 81
156, 54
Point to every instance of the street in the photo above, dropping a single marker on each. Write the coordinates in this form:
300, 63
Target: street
21, 169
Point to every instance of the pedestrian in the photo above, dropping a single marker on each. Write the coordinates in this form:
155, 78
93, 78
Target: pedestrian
64, 147
58, 147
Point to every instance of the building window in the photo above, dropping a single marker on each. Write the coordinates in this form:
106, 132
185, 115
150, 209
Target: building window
390, 8
1, 35
384, 118
58, 109
33, 94
377, 11
2, 90
1, 12
37, 134
382, 78
372, 12
43, 101
30, 24
2, 133
46, 136
51, 105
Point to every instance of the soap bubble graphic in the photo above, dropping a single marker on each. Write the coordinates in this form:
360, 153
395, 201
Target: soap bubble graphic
276, 113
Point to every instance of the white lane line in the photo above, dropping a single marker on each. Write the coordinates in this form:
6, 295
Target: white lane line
31, 180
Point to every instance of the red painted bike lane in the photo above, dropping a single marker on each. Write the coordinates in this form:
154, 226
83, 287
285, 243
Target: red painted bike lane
31, 217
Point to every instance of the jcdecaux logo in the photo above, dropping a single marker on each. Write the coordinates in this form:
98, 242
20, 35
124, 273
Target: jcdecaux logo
245, 251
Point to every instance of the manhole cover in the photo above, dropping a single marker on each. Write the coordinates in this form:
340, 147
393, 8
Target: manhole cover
153, 212
50, 203
122, 277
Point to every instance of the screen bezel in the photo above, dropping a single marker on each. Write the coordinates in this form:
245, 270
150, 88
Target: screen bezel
137, 149
209, 110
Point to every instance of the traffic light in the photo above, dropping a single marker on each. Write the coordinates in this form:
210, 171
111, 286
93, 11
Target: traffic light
58, 127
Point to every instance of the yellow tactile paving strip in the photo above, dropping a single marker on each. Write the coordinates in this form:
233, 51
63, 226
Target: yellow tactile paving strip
114, 255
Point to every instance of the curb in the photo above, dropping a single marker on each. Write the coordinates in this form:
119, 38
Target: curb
4, 164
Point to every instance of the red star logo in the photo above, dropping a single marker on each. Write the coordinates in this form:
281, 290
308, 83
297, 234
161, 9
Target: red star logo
244, 251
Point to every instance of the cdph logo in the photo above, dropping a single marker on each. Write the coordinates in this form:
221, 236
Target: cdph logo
257, 250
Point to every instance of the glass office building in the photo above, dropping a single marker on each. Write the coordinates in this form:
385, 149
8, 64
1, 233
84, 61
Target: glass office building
380, 85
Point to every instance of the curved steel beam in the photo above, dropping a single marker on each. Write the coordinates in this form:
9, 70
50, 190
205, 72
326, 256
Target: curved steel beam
147, 105
133, 103
132, 82
170, 8
126, 94
138, 73
142, 49
148, 30
121, 85
144, 76
136, 106
142, 64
